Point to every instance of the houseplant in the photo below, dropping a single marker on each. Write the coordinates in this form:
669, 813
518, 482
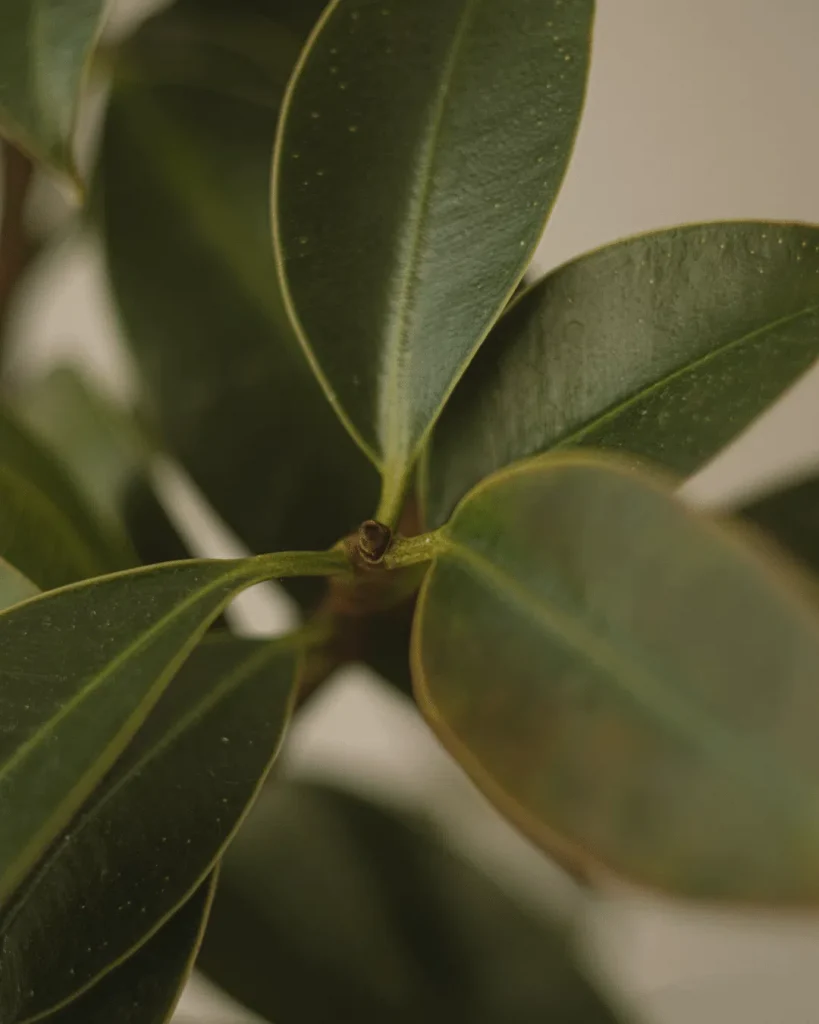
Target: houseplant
630, 683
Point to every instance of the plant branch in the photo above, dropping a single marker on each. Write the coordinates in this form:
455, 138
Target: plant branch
17, 248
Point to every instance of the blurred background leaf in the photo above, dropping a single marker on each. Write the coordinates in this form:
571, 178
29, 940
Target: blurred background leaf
45, 46
330, 908
107, 453
791, 517
183, 197
49, 531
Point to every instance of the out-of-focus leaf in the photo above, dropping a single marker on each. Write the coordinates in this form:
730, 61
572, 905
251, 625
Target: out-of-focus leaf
146, 988
47, 529
152, 831
666, 346
14, 586
106, 453
385, 645
331, 909
184, 196
635, 686
45, 46
420, 151
81, 668
791, 516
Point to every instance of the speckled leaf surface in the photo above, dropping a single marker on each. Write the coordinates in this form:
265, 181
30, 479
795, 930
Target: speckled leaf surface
634, 686
81, 668
151, 832
146, 988
420, 151
665, 345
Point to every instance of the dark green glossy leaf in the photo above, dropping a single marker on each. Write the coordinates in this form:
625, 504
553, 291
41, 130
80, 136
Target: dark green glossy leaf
146, 988
14, 586
152, 831
47, 530
45, 46
81, 667
107, 454
330, 909
633, 685
184, 196
665, 346
420, 151
791, 517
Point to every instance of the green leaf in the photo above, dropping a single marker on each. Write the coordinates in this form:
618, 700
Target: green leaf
146, 988
45, 46
634, 686
791, 517
81, 667
107, 454
14, 586
420, 150
665, 345
153, 830
184, 197
330, 909
47, 530
95, 441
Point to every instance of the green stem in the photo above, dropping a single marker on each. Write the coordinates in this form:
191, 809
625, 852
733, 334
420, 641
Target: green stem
279, 565
406, 551
393, 492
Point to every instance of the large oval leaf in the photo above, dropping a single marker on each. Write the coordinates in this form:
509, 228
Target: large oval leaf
44, 48
152, 831
81, 667
47, 529
146, 988
184, 183
419, 153
331, 909
633, 685
791, 516
666, 346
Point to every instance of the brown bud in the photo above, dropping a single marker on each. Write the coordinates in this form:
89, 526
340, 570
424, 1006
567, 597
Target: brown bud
374, 541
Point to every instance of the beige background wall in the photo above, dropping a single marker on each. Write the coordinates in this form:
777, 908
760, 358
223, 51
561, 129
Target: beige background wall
697, 109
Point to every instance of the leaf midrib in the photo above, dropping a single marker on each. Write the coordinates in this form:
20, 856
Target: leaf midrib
614, 412
721, 744
397, 352
93, 684
227, 687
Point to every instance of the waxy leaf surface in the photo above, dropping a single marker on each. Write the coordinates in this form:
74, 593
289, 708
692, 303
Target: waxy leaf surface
420, 150
666, 346
151, 832
633, 685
